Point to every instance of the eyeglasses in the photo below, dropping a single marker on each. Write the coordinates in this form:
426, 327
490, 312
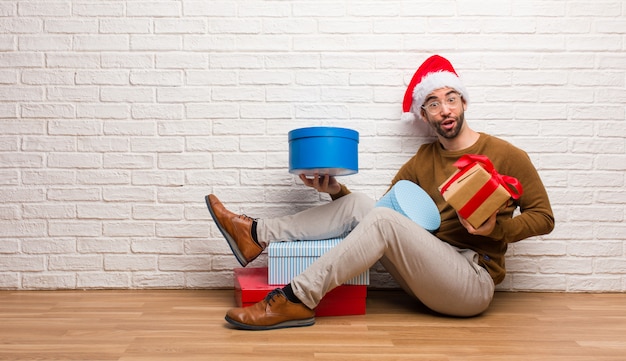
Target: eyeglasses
452, 101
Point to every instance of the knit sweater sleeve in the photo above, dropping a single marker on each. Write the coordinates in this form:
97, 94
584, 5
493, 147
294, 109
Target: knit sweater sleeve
536, 215
344, 191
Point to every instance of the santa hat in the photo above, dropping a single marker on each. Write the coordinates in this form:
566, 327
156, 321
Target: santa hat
435, 73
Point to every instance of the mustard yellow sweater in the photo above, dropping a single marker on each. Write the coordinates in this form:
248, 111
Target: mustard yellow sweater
432, 165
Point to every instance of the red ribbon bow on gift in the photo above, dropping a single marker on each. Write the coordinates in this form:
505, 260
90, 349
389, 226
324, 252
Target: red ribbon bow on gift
510, 184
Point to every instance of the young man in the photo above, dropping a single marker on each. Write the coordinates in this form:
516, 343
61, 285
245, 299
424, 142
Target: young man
452, 271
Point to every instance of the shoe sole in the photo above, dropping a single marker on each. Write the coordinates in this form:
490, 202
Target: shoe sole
286, 324
229, 239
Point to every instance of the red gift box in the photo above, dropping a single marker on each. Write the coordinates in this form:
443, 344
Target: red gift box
251, 287
476, 190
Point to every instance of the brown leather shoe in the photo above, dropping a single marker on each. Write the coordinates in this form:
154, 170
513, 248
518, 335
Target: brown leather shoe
275, 311
236, 229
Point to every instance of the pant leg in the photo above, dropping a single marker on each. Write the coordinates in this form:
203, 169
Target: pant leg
329, 220
444, 278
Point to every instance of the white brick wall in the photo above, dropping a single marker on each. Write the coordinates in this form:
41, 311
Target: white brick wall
117, 117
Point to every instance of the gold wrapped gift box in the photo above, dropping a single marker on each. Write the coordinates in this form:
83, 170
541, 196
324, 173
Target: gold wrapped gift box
476, 190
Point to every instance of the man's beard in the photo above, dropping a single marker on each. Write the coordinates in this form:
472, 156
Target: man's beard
452, 133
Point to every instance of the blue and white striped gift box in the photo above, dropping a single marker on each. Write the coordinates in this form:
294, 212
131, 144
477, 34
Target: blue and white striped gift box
288, 259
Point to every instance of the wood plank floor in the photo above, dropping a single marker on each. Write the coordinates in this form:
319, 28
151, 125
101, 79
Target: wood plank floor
189, 325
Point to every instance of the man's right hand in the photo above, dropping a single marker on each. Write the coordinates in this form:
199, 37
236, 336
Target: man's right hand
325, 183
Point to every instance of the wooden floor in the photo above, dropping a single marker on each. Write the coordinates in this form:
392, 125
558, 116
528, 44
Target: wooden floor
189, 325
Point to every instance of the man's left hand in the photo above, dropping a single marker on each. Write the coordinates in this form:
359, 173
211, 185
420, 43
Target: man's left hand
485, 229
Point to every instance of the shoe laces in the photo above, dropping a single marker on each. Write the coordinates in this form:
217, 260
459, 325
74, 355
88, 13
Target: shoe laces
246, 218
276, 292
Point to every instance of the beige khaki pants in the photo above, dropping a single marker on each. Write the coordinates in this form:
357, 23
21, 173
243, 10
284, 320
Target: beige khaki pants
444, 278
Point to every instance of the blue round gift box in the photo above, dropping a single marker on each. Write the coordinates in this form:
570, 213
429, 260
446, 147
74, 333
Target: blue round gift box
323, 150
410, 200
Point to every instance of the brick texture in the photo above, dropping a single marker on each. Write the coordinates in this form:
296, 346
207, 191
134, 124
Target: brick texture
117, 117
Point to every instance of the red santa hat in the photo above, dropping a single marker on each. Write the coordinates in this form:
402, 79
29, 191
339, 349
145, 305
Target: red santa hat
435, 73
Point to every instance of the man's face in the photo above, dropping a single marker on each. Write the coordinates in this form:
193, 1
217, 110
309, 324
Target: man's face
444, 110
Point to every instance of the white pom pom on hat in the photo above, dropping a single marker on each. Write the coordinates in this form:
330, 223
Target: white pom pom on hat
435, 73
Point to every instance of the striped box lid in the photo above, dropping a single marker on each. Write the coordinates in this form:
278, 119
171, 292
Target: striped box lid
288, 259
302, 248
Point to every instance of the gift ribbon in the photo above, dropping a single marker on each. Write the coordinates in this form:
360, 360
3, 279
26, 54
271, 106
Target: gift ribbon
465, 163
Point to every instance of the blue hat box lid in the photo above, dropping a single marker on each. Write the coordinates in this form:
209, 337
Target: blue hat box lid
412, 201
323, 150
